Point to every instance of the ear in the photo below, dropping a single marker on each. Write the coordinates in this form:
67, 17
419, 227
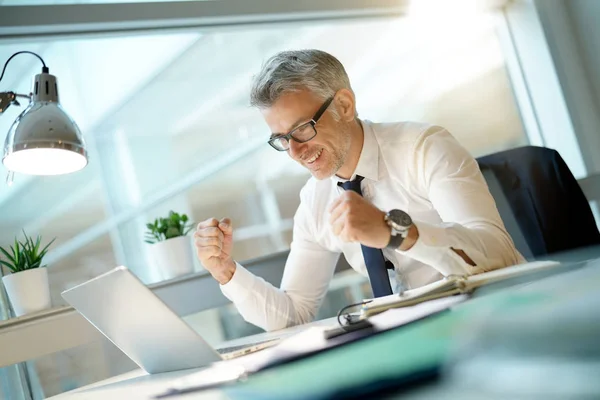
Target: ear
345, 104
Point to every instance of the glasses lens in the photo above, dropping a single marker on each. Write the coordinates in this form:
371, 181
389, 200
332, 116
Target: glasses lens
280, 144
304, 133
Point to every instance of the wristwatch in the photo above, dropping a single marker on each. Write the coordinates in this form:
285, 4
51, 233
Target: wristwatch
400, 222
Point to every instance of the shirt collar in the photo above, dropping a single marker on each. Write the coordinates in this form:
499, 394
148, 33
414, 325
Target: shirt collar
368, 163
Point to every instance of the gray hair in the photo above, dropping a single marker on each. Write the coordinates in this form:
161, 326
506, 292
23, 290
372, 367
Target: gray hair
292, 71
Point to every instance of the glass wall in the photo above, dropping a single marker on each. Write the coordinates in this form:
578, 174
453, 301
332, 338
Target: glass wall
167, 121
168, 126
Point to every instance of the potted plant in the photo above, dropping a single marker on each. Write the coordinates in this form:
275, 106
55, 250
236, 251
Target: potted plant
171, 249
27, 284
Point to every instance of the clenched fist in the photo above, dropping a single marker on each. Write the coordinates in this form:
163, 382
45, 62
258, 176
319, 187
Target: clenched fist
213, 241
354, 219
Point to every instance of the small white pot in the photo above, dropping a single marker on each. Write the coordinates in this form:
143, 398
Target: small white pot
28, 291
173, 257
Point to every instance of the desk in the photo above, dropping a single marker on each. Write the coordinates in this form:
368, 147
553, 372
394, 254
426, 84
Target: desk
510, 326
139, 385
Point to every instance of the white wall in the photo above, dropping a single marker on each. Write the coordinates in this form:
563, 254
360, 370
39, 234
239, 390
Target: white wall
585, 18
572, 29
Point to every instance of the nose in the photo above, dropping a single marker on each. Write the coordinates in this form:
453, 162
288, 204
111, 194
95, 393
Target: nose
296, 149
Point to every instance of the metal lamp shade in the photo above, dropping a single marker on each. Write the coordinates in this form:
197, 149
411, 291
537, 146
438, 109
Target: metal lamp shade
44, 140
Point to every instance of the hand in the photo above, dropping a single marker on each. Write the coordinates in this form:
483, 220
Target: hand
354, 219
213, 240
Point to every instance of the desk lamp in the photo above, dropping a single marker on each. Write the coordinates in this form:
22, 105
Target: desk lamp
43, 140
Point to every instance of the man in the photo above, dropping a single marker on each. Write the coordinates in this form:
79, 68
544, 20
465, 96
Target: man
400, 197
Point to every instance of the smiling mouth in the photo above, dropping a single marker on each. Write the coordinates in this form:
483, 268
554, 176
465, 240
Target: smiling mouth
315, 157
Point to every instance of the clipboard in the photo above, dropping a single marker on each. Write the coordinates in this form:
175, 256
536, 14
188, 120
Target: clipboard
450, 286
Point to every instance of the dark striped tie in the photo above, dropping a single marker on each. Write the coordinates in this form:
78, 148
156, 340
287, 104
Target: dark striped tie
374, 260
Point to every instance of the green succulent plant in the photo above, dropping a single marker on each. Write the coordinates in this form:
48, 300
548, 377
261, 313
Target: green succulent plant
22, 256
166, 228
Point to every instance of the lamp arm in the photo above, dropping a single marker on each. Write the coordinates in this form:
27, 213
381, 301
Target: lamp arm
8, 98
44, 68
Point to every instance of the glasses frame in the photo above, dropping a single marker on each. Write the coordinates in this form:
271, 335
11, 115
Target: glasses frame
312, 122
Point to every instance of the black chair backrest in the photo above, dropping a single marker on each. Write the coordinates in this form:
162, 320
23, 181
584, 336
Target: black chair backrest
539, 200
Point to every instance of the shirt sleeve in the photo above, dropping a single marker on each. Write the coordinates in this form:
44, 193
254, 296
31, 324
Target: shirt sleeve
306, 277
454, 184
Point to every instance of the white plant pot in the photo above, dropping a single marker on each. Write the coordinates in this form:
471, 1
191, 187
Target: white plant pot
173, 257
28, 291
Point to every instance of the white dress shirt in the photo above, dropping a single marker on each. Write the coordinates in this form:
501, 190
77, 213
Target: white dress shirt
417, 168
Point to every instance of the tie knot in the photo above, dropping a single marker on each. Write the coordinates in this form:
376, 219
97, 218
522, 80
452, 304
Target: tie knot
353, 184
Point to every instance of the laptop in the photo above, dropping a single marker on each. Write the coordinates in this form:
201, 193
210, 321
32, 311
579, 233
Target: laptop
143, 327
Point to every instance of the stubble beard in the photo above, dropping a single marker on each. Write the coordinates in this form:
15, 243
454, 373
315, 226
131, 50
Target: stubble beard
338, 154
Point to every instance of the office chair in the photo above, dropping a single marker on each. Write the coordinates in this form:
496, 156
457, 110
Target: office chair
539, 200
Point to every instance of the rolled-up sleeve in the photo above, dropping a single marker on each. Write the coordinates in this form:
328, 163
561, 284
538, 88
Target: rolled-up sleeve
452, 180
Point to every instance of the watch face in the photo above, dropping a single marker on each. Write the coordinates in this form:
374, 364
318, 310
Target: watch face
400, 218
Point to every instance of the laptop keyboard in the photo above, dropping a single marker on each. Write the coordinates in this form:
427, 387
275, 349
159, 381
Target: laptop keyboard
231, 349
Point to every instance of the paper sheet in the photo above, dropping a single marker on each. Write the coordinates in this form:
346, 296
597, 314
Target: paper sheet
400, 316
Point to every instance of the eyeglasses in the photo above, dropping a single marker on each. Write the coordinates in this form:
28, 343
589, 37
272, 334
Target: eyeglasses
302, 133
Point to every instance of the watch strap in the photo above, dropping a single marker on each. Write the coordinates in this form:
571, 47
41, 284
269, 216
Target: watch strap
395, 241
